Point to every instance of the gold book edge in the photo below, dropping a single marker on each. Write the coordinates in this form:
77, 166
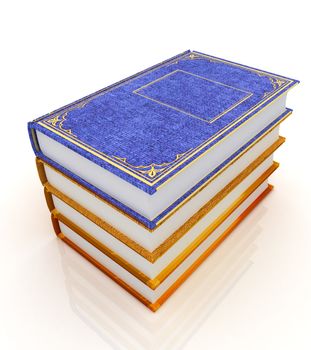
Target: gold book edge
153, 256
40, 166
156, 305
153, 283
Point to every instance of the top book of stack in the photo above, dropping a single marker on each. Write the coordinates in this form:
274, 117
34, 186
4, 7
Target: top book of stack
148, 142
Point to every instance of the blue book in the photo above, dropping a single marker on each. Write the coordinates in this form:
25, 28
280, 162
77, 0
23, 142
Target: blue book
148, 142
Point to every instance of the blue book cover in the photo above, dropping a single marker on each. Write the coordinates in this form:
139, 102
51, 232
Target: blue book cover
150, 126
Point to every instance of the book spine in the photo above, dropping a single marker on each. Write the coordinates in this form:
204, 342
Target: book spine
33, 138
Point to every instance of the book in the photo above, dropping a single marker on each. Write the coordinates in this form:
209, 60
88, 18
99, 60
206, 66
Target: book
145, 178
145, 143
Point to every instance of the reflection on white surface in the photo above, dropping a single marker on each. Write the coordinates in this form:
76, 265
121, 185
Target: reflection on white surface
123, 322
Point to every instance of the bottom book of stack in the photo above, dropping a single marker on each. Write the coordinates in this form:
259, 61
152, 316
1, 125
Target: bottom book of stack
153, 274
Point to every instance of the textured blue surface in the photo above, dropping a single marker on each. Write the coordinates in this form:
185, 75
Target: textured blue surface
153, 223
182, 91
148, 127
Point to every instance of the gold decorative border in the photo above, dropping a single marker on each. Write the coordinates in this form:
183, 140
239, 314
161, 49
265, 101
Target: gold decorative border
154, 283
248, 95
153, 256
151, 177
156, 305
153, 169
58, 120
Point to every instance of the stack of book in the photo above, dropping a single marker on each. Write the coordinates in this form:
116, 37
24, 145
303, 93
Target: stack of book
146, 177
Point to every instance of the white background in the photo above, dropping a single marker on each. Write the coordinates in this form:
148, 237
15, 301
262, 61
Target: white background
254, 292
